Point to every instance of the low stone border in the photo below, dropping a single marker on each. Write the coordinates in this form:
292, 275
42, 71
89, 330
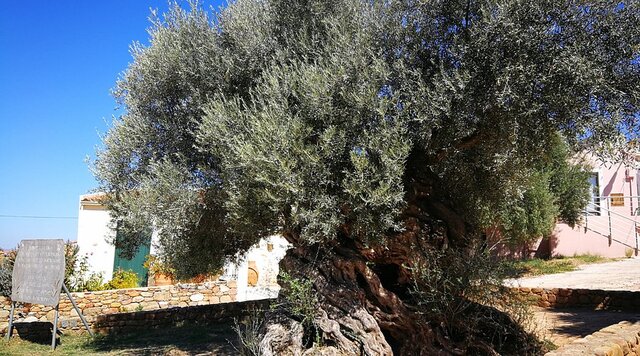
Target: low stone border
618, 339
597, 299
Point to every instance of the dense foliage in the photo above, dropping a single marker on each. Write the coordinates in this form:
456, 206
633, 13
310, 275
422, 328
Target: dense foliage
554, 189
5, 278
75, 266
121, 280
318, 118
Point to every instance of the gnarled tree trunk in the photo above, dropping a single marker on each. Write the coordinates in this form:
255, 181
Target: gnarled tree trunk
363, 292
365, 305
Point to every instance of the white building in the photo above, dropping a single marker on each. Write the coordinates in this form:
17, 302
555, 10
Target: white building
95, 235
256, 271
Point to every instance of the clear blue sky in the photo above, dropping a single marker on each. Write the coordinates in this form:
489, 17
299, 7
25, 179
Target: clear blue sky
58, 62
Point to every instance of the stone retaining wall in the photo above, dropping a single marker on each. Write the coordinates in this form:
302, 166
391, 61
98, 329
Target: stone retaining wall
586, 298
618, 339
97, 305
130, 322
203, 314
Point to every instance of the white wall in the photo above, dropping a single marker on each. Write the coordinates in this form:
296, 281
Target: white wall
267, 266
93, 234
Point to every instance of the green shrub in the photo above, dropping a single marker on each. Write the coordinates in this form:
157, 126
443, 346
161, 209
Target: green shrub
71, 271
91, 283
122, 279
6, 269
299, 297
464, 290
248, 332
5, 279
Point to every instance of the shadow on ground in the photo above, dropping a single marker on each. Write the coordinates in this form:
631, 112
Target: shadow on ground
187, 340
37, 332
566, 325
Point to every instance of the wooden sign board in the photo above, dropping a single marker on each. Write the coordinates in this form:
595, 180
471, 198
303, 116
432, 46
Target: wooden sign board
38, 272
617, 199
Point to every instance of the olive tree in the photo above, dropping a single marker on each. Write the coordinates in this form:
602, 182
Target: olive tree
369, 134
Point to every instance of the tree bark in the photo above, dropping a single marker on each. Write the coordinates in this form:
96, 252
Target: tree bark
362, 293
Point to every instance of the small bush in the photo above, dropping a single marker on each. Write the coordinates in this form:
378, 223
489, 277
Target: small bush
92, 283
6, 269
248, 332
122, 279
299, 298
156, 266
628, 252
71, 271
464, 291
5, 279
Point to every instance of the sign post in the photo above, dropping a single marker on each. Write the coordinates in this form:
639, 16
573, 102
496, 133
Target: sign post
38, 278
13, 307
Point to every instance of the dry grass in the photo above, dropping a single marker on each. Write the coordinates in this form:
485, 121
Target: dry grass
536, 266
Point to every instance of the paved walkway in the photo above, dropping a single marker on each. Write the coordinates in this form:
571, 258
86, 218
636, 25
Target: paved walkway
562, 326
618, 275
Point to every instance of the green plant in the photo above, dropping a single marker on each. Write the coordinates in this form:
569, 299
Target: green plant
76, 268
139, 308
299, 298
93, 282
6, 269
77, 276
122, 279
464, 290
73, 270
247, 330
5, 278
155, 265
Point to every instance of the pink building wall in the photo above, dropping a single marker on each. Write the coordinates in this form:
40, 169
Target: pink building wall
614, 178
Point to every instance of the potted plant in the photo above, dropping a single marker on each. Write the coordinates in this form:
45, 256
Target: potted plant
160, 272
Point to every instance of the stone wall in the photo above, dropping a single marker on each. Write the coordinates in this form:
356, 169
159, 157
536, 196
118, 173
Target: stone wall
202, 314
583, 298
618, 339
95, 306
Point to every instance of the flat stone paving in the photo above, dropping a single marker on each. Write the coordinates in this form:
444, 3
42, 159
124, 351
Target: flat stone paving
562, 326
618, 275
